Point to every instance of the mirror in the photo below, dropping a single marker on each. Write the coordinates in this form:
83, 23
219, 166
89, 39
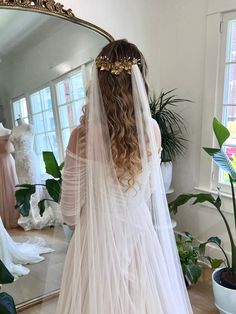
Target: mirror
45, 64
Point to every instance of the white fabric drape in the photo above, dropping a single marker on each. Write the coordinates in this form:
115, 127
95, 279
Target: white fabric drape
122, 258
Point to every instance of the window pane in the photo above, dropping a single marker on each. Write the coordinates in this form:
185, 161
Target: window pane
65, 137
46, 98
231, 153
77, 110
64, 112
60, 93
40, 143
231, 42
35, 103
230, 84
77, 88
229, 115
20, 109
49, 124
52, 144
38, 123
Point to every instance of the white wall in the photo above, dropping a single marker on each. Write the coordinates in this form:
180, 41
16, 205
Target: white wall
185, 64
138, 21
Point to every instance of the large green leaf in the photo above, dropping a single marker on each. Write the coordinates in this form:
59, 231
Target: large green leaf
222, 161
221, 132
193, 272
198, 198
51, 165
214, 240
5, 275
54, 189
23, 197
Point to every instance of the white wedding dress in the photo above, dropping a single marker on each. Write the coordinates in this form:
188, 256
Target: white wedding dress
16, 254
122, 258
27, 168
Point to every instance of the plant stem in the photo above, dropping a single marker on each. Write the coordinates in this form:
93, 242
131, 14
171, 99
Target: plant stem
233, 197
230, 236
233, 247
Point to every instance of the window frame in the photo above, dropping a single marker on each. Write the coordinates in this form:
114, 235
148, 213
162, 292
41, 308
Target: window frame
226, 17
211, 107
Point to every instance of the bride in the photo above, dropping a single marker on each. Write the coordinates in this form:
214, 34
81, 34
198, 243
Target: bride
122, 257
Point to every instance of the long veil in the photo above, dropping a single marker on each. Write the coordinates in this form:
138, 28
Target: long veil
122, 258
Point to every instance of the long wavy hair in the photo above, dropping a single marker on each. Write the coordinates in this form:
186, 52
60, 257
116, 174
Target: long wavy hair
116, 91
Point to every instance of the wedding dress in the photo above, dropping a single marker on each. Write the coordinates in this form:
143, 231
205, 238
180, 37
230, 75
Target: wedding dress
16, 254
8, 181
27, 168
122, 258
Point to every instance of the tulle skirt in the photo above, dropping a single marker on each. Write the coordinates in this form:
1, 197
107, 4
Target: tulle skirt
140, 284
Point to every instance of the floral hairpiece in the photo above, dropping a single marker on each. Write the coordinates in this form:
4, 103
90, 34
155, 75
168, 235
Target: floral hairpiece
124, 64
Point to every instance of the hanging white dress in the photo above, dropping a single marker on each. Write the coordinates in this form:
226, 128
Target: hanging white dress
27, 168
16, 254
122, 258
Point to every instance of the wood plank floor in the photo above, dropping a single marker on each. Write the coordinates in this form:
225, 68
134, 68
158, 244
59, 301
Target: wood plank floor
200, 295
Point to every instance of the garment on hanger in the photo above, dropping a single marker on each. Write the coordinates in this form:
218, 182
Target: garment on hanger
27, 168
8, 181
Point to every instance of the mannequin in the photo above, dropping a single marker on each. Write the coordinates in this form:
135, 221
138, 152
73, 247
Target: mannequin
8, 180
3, 130
28, 172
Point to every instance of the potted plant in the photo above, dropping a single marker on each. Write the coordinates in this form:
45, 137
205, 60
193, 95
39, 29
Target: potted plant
223, 279
192, 257
172, 129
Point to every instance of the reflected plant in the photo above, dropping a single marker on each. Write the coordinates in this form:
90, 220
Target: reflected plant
53, 186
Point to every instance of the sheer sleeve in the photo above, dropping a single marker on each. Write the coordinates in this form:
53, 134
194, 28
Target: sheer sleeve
157, 133
73, 185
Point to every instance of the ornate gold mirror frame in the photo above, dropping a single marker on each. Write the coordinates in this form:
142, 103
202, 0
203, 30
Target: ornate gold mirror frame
49, 7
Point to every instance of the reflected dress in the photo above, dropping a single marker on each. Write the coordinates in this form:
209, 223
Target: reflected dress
8, 181
27, 168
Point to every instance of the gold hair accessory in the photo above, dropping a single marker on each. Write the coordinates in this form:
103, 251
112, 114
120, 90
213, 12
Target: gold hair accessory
124, 64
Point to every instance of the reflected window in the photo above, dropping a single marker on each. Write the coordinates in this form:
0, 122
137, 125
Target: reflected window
44, 124
20, 110
70, 101
54, 111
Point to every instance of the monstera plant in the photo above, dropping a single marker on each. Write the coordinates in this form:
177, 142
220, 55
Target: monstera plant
224, 279
52, 185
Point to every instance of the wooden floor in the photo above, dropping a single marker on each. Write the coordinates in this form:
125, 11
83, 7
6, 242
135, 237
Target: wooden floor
200, 295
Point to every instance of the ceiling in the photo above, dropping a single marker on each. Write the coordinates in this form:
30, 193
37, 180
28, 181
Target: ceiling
17, 27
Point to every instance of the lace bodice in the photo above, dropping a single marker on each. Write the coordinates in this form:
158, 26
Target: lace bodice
24, 142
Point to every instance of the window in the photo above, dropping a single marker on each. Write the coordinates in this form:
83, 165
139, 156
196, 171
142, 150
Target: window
19, 107
53, 117
70, 100
228, 93
44, 123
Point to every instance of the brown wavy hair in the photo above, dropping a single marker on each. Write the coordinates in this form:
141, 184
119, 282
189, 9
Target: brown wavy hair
116, 91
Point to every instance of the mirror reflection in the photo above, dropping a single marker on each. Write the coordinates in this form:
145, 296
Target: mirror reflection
45, 64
